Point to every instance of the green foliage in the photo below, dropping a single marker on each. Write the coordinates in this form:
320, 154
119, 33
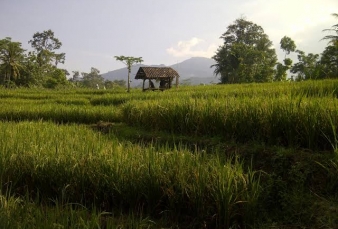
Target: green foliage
329, 62
45, 43
116, 83
56, 78
333, 39
92, 79
11, 58
37, 68
246, 55
281, 70
42, 63
129, 61
287, 45
32, 74
307, 66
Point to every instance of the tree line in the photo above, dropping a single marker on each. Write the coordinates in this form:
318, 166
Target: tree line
247, 56
39, 68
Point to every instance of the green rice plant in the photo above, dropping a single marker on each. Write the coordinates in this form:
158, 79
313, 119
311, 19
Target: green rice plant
73, 164
8, 208
60, 100
318, 88
331, 167
283, 120
118, 99
23, 213
109, 100
45, 167
57, 112
227, 195
72, 101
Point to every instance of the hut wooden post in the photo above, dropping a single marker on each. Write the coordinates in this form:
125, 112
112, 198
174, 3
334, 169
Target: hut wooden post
169, 83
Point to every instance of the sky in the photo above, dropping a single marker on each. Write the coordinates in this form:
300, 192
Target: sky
167, 32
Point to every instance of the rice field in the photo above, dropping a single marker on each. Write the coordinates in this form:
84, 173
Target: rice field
57, 171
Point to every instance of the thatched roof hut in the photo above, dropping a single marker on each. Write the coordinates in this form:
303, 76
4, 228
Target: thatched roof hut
165, 75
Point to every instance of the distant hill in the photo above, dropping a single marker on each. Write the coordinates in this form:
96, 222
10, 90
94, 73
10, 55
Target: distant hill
193, 71
195, 67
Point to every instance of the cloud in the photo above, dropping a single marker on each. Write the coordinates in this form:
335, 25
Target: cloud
186, 49
301, 20
290, 17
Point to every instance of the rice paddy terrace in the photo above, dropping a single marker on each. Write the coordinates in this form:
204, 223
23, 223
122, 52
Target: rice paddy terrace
217, 156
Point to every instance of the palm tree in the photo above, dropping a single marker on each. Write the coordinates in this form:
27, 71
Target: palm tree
333, 38
330, 54
11, 56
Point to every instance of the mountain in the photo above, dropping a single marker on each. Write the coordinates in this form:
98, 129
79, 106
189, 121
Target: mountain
193, 71
195, 67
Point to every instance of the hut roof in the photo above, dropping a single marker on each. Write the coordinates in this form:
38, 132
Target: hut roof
156, 73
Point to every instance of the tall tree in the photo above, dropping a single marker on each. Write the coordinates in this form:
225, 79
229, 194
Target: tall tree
92, 79
11, 58
45, 44
32, 74
246, 54
76, 76
287, 45
329, 58
307, 66
329, 62
129, 61
115, 84
75, 79
281, 69
57, 77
